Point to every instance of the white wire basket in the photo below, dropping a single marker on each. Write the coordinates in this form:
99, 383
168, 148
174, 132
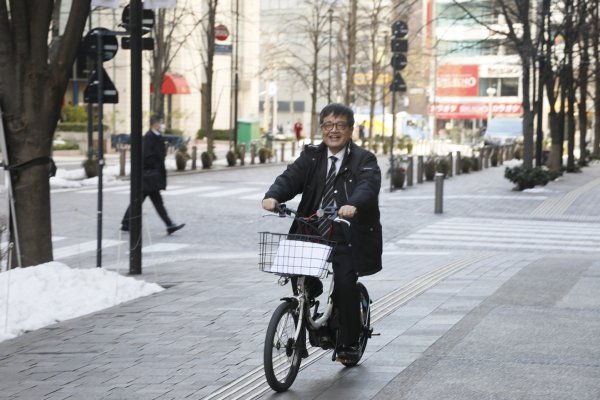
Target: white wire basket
294, 254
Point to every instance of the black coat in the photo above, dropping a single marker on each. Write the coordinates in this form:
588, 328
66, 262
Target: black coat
357, 183
155, 153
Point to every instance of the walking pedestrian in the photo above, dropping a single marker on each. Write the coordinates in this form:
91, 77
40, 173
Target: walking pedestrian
154, 173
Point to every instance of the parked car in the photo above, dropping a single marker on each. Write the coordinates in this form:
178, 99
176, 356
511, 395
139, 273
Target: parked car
504, 131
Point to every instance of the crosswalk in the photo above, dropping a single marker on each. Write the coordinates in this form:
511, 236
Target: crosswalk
252, 192
505, 234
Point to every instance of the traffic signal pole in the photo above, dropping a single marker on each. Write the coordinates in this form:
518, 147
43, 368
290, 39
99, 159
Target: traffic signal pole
135, 222
100, 71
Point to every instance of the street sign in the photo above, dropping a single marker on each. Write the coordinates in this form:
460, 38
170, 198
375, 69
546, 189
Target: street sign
399, 29
399, 61
398, 84
147, 19
147, 43
110, 46
221, 32
109, 91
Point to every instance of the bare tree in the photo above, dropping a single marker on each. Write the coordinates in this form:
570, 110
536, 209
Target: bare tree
33, 80
596, 50
375, 19
207, 54
310, 27
169, 38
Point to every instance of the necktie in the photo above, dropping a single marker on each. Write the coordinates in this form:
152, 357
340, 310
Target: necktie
328, 197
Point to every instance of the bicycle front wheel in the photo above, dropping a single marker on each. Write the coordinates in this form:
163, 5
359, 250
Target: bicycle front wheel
282, 355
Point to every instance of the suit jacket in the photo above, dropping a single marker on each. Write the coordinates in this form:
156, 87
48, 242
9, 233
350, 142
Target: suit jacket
155, 153
357, 183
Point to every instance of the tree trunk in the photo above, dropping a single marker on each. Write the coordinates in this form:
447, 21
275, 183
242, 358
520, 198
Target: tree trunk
596, 49
33, 80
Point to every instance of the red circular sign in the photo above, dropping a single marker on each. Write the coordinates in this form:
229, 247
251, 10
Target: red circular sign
221, 32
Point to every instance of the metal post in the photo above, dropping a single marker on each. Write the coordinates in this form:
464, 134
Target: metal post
439, 193
100, 72
252, 153
282, 151
330, 11
122, 158
236, 83
451, 162
242, 148
392, 141
458, 163
419, 169
136, 196
194, 156
409, 171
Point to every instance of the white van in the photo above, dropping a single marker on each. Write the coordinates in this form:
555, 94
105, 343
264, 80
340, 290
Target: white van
504, 131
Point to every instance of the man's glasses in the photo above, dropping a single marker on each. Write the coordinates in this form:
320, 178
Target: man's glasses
328, 126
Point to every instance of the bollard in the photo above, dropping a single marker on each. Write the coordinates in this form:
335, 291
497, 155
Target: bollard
486, 157
439, 193
419, 169
409, 171
294, 149
252, 153
451, 162
458, 163
194, 150
242, 150
501, 155
122, 155
282, 151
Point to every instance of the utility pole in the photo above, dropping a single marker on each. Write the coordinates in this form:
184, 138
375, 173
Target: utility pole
351, 60
330, 11
135, 222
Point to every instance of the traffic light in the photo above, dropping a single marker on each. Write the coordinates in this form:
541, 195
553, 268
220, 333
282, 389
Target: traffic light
399, 45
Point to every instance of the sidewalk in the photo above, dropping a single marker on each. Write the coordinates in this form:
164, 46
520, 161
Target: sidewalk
459, 318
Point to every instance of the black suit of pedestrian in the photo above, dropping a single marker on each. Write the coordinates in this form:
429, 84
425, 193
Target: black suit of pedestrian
357, 183
155, 152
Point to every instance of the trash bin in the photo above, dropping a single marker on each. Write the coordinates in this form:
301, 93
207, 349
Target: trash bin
247, 131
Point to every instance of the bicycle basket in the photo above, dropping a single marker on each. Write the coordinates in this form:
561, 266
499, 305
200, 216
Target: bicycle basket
294, 254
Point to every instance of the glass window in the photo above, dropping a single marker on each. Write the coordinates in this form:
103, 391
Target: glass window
298, 106
509, 86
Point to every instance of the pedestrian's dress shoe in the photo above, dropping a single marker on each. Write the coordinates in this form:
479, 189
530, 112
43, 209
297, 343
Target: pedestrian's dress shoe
348, 352
174, 228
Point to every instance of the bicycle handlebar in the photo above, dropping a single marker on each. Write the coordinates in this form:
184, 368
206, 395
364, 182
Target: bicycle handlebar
283, 210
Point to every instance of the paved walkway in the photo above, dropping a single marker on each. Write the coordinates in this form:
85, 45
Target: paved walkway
497, 298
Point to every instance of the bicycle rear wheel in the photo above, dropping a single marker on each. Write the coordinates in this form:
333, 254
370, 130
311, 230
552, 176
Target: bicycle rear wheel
365, 315
282, 357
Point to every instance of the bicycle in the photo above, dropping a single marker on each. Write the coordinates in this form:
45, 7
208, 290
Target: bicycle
296, 256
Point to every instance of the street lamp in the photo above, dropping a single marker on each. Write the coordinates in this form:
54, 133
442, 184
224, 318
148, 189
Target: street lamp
330, 11
491, 92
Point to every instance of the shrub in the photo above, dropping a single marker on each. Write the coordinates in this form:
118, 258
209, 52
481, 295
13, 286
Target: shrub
527, 178
218, 134
466, 164
66, 146
443, 166
77, 127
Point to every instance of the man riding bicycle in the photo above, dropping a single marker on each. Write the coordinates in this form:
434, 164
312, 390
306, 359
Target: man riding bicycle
340, 175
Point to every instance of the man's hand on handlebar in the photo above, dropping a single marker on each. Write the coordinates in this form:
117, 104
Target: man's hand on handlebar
347, 211
270, 205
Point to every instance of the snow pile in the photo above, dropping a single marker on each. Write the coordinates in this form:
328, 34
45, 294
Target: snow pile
33, 297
